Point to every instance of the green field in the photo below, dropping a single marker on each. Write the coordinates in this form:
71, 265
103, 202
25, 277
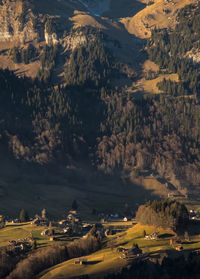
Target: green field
21, 231
109, 260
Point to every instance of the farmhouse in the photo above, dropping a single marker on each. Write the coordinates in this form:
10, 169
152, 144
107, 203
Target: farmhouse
45, 232
126, 219
129, 254
52, 238
80, 261
67, 230
175, 241
63, 222
152, 236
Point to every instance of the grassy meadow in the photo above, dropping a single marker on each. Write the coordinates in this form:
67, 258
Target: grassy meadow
108, 260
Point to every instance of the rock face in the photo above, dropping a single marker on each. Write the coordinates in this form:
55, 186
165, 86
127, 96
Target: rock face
194, 55
73, 41
15, 22
51, 39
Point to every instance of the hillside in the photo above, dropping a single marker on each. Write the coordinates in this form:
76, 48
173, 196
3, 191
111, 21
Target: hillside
158, 14
108, 261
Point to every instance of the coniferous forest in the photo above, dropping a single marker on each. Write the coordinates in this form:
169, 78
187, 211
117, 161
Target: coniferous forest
91, 119
83, 136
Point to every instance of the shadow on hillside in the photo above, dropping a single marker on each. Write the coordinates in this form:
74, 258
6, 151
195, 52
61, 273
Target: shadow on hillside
92, 262
194, 227
166, 235
131, 49
122, 244
189, 242
124, 8
15, 225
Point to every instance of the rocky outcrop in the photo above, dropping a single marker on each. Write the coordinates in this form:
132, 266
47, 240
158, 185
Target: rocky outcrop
16, 23
72, 41
51, 39
194, 55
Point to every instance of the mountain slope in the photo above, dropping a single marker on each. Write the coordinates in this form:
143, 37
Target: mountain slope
159, 14
88, 118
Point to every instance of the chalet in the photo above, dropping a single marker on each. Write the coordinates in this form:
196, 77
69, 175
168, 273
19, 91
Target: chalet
107, 231
36, 222
152, 236
121, 249
175, 241
63, 222
194, 215
77, 220
113, 216
52, 238
45, 232
135, 251
69, 217
170, 195
67, 229
86, 228
194, 218
23, 247
179, 248
73, 212
80, 261
130, 254
39, 221
126, 219
73, 215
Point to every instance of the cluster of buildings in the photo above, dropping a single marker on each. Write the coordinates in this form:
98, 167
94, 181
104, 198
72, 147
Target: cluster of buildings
176, 243
153, 236
130, 254
193, 214
21, 245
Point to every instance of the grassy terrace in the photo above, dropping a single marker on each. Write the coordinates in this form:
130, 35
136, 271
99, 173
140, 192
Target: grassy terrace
27, 230
108, 259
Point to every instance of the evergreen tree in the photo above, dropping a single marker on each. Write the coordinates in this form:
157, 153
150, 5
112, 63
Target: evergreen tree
34, 245
2, 221
23, 216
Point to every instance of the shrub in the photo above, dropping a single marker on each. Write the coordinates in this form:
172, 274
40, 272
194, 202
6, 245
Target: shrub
23, 216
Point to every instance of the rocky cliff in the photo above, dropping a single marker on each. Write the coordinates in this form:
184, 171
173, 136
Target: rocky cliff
16, 22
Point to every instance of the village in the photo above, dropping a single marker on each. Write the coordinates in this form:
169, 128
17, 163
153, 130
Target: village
121, 238
111, 226
42, 230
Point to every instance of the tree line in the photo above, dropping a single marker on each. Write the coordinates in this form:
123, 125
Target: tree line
165, 213
13, 265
